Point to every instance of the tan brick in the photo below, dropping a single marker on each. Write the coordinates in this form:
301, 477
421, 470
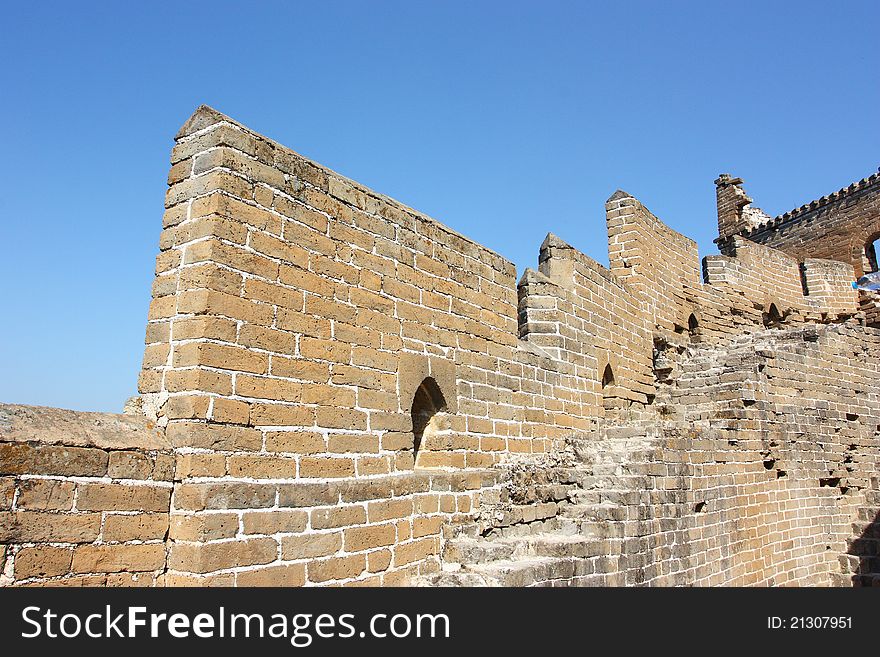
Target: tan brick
378, 560
206, 275
204, 226
267, 388
336, 568
340, 516
46, 495
38, 527
280, 342
281, 249
274, 522
186, 407
301, 494
214, 436
42, 561
212, 250
327, 395
119, 497
221, 356
284, 575
261, 467
296, 322
340, 418
414, 551
295, 442
329, 350
203, 527
7, 493
208, 557
274, 294
295, 368
140, 527
118, 558
201, 465
129, 465
279, 415
372, 536
22, 458
300, 279
198, 380
372, 465
352, 442
230, 411
390, 510
325, 467
224, 495
215, 328
309, 546
423, 526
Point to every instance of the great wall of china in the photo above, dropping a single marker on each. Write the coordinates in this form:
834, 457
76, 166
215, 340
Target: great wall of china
338, 389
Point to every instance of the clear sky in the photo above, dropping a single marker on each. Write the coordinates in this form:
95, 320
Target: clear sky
503, 120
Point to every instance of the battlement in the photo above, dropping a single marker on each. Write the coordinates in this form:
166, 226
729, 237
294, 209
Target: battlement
838, 226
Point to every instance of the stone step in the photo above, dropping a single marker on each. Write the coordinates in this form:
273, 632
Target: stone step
470, 550
603, 511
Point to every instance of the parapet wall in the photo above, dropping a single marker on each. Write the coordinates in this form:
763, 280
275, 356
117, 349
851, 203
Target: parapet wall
841, 226
341, 381
84, 497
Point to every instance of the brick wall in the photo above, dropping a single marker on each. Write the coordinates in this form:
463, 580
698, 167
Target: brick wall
341, 389
85, 498
840, 226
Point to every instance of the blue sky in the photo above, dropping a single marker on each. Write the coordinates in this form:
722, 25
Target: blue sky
504, 120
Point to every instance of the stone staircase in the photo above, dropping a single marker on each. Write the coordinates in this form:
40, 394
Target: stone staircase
861, 565
567, 531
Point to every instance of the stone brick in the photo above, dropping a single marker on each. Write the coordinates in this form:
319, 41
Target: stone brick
274, 522
46, 495
261, 467
325, 467
129, 465
341, 516
21, 458
414, 551
42, 561
208, 557
139, 527
203, 527
296, 442
389, 510
336, 568
368, 537
285, 575
38, 527
118, 558
309, 546
119, 497
307, 494
224, 495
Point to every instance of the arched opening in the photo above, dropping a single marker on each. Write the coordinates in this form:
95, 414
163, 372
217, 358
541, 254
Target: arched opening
870, 260
607, 376
772, 317
427, 402
693, 324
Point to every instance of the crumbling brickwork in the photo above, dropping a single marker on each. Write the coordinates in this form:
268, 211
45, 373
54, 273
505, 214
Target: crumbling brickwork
841, 226
337, 389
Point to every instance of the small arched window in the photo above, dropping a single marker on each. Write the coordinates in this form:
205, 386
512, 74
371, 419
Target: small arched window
693, 324
607, 376
772, 317
870, 261
427, 402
